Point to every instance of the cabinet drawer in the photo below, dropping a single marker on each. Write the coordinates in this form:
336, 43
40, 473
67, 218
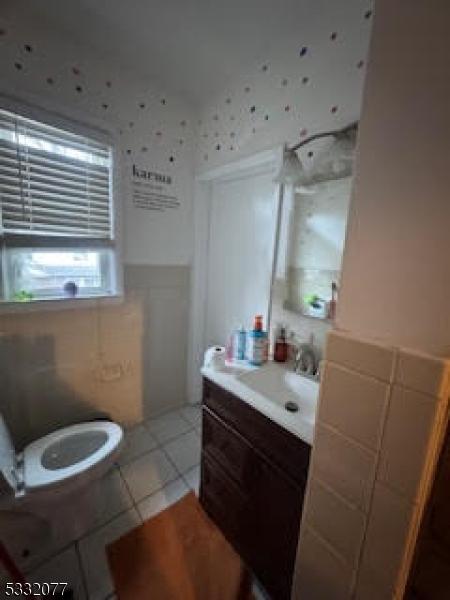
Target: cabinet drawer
227, 505
281, 447
226, 447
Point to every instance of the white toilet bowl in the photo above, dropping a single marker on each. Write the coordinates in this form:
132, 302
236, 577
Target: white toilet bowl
56, 465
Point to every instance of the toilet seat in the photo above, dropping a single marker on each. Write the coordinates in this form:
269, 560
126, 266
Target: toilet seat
67, 447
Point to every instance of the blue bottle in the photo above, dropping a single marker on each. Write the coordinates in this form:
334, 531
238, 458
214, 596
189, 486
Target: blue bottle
241, 339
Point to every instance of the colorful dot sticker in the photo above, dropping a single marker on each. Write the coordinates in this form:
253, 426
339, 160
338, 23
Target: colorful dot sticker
104, 105
163, 101
334, 109
252, 109
171, 159
303, 51
79, 89
287, 108
18, 66
264, 68
305, 80
333, 36
310, 154
142, 105
28, 48
368, 14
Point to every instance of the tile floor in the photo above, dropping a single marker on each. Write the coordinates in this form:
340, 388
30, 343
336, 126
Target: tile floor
158, 465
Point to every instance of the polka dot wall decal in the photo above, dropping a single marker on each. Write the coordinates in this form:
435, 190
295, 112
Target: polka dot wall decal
128, 151
18, 66
264, 68
266, 117
247, 89
144, 149
305, 80
108, 84
131, 124
284, 82
232, 134
303, 132
76, 71
215, 117
367, 14
303, 50
163, 101
181, 142
183, 123
228, 101
253, 129
142, 105
28, 48
287, 108
159, 134
334, 109
333, 36
232, 117
171, 159
218, 147
360, 64
252, 109
231, 148
310, 154
50, 80
79, 89
104, 105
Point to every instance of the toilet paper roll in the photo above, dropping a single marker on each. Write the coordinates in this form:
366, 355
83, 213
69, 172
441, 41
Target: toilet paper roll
215, 358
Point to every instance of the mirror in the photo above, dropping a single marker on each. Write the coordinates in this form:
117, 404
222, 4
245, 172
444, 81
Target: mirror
316, 235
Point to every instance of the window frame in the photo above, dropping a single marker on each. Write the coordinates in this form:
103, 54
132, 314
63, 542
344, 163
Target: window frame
106, 135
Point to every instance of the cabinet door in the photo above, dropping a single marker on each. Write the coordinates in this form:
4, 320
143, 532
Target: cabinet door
277, 510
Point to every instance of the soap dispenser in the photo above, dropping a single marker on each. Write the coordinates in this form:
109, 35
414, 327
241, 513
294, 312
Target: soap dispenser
257, 343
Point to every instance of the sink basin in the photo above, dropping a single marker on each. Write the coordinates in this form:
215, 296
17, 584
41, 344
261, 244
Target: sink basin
284, 388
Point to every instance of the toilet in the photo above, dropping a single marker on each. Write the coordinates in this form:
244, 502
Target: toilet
42, 478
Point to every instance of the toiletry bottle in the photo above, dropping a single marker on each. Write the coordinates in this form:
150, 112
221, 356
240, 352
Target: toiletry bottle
333, 302
281, 346
241, 339
257, 343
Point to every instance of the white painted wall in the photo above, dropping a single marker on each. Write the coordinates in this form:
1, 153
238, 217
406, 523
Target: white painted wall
151, 125
396, 268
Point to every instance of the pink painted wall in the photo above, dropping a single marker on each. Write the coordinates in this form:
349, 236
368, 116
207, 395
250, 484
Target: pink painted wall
396, 269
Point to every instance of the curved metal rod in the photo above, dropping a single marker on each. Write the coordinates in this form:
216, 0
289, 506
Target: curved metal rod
337, 133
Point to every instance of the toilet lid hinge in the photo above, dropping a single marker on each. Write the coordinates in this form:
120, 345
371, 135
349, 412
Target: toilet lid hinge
18, 475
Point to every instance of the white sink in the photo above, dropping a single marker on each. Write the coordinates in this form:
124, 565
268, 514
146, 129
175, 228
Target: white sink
284, 388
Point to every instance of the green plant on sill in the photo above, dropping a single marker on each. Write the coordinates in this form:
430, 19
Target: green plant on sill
312, 300
23, 296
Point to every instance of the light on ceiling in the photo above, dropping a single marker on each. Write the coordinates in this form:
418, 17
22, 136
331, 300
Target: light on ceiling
291, 170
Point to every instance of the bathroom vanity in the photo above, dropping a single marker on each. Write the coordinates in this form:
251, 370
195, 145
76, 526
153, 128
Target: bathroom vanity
254, 469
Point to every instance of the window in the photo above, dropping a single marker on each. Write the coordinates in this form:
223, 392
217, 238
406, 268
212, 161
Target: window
56, 212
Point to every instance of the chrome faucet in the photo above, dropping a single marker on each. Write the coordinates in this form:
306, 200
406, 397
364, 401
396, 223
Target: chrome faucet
305, 361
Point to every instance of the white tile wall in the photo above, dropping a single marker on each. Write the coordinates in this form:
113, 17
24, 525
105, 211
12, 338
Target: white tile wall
386, 535
365, 357
422, 372
354, 404
321, 573
345, 466
406, 438
335, 521
377, 433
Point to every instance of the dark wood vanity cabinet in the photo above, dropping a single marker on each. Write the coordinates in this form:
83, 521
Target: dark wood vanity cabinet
253, 476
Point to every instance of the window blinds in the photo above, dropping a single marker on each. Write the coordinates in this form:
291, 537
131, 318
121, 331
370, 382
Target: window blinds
53, 182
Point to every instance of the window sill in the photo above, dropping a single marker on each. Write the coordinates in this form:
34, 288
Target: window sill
40, 305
